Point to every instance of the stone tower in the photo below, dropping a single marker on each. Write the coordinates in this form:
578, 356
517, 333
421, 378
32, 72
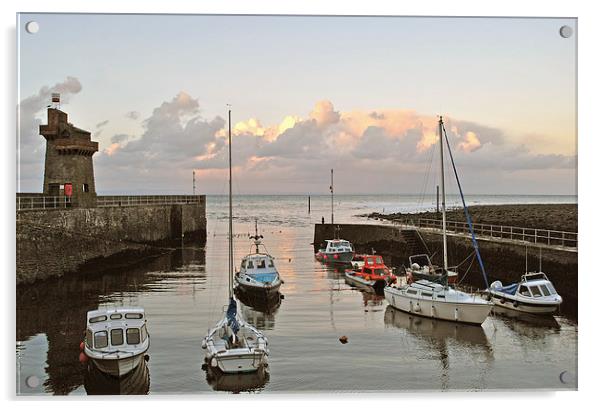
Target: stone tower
68, 170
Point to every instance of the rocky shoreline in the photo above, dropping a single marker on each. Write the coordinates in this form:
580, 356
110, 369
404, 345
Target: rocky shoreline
561, 217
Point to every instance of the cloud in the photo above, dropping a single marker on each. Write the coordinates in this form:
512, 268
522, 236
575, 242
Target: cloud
133, 115
378, 150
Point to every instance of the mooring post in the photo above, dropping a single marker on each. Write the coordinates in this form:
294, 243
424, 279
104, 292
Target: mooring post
308, 204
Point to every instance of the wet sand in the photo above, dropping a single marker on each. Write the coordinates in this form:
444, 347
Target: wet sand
562, 217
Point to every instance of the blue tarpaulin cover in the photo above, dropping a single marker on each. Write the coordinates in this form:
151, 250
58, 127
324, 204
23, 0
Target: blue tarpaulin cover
231, 314
509, 289
264, 277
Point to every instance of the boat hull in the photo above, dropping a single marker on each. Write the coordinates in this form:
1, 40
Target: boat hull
468, 313
505, 301
118, 367
237, 361
373, 285
267, 291
335, 258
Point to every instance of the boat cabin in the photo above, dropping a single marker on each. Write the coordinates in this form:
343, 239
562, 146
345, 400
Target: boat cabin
421, 263
116, 329
259, 265
337, 246
374, 265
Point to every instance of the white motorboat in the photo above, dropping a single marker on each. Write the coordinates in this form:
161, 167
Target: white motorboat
233, 345
435, 300
116, 339
258, 274
336, 251
534, 293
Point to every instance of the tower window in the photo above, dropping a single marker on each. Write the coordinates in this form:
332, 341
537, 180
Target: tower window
86, 188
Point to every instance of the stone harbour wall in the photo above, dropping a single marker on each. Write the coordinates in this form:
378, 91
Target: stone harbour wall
56, 242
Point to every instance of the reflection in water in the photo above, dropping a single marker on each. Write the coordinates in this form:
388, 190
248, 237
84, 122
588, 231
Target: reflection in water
258, 311
441, 336
136, 382
66, 301
236, 383
535, 328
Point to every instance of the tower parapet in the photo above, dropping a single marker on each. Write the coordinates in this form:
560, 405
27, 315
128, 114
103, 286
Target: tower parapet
68, 170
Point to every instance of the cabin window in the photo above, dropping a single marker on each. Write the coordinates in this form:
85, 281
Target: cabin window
544, 290
271, 263
370, 262
424, 294
242, 265
86, 188
411, 292
115, 316
144, 332
379, 260
250, 264
379, 271
551, 288
101, 339
100, 318
117, 336
261, 264
441, 296
535, 291
133, 315
89, 339
132, 336
523, 290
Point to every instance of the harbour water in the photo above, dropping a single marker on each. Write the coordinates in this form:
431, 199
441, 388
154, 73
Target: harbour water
184, 292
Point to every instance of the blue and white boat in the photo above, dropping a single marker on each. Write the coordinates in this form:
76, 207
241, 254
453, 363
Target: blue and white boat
534, 293
258, 274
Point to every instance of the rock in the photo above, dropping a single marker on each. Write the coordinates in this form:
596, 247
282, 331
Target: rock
343, 339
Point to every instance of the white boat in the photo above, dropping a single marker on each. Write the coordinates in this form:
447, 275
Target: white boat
116, 339
233, 345
422, 268
258, 274
336, 251
534, 293
435, 300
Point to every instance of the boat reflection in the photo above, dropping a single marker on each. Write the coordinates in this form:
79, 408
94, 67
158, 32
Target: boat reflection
236, 383
136, 382
71, 297
258, 311
437, 330
530, 326
443, 337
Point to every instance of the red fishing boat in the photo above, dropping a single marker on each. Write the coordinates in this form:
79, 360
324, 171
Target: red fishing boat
373, 274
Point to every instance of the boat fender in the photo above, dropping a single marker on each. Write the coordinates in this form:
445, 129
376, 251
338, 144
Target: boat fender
515, 304
146, 358
213, 362
502, 300
81, 346
456, 314
204, 344
410, 279
83, 358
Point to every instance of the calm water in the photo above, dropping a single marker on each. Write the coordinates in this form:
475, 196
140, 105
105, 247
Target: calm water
184, 292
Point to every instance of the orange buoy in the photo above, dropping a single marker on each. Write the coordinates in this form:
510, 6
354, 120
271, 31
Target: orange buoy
83, 358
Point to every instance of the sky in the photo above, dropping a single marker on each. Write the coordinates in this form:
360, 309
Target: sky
360, 95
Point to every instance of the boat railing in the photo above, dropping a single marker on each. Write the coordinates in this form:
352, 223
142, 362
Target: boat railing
514, 233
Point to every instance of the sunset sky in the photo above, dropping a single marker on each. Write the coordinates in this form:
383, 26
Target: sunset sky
356, 94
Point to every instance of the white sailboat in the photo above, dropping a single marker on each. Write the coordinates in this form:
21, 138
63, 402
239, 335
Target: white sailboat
435, 300
233, 345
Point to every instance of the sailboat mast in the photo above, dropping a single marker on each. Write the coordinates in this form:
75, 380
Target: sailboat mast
443, 196
230, 243
332, 196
